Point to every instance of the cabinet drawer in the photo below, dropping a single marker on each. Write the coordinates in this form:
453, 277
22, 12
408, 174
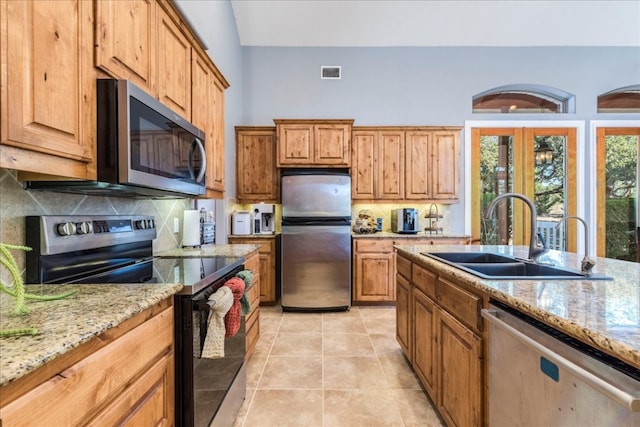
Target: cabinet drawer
404, 267
97, 379
462, 304
371, 245
424, 280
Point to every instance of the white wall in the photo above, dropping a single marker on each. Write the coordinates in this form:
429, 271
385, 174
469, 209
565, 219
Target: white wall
425, 85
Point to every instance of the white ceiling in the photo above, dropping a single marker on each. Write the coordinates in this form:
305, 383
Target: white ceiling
437, 23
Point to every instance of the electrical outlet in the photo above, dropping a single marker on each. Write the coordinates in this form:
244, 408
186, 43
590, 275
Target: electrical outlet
176, 225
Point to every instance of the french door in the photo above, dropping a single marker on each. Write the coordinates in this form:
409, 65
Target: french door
618, 182
537, 162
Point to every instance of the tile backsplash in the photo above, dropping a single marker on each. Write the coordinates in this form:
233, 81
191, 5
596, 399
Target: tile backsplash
383, 210
16, 203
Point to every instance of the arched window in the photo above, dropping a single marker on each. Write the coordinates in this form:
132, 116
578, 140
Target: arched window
622, 100
524, 98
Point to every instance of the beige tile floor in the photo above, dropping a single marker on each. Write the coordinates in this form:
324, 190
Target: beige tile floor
332, 370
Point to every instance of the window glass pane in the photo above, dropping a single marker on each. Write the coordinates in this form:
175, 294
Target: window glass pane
496, 176
549, 190
621, 181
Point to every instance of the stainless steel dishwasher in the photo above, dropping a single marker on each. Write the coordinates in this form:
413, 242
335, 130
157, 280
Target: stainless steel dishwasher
540, 377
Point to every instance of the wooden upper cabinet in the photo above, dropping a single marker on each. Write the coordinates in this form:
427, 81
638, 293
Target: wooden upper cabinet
433, 165
174, 66
445, 164
313, 143
215, 176
48, 87
125, 41
377, 161
256, 172
405, 163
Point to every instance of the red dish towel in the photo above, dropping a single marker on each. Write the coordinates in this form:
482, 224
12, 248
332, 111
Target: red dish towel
232, 318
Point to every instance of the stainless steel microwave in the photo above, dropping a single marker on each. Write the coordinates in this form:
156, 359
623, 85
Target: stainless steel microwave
144, 149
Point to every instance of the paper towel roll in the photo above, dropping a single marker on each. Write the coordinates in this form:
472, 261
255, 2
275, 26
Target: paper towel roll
191, 228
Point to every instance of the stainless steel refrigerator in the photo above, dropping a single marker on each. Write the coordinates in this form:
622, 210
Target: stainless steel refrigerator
316, 241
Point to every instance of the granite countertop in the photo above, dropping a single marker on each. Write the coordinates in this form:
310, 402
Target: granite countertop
209, 251
420, 235
602, 313
65, 324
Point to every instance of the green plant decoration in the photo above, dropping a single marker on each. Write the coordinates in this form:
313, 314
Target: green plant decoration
18, 291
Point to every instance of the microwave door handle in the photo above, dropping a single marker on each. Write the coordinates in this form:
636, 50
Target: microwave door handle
198, 143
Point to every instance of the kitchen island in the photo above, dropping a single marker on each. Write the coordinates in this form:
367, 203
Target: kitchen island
443, 336
604, 314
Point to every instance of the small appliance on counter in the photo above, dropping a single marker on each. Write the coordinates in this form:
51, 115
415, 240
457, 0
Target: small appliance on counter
404, 221
263, 219
241, 223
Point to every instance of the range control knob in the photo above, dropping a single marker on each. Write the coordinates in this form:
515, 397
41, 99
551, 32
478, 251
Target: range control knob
66, 228
151, 223
84, 227
141, 224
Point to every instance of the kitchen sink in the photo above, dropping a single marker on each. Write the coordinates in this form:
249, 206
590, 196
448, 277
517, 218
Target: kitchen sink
470, 257
501, 267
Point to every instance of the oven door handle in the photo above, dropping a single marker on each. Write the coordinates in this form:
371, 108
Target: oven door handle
197, 143
609, 382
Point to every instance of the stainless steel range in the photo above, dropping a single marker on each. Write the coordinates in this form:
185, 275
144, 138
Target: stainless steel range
119, 249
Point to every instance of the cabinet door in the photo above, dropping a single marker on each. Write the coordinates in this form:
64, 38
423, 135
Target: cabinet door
374, 273
256, 173
460, 367
364, 153
295, 144
445, 168
404, 319
418, 162
126, 40
174, 66
425, 345
390, 168
202, 111
48, 87
216, 182
331, 145
148, 402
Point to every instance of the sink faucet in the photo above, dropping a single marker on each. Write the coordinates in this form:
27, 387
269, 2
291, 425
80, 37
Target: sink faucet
535, 250
587, 263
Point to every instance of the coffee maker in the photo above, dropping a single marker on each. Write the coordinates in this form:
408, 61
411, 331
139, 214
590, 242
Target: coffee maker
263, 219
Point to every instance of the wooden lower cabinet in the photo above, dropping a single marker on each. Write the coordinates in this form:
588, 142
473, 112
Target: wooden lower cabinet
373, 271
404, 317
123, 377
460, 385
267, 254
443, 342
252, 319
425, 348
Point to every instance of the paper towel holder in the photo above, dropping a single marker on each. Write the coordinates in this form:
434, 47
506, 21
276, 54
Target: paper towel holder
191, 228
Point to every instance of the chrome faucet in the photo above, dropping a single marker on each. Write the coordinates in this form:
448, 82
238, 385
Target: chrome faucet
587, 263
537, 245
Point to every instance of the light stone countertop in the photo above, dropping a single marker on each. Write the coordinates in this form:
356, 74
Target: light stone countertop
420, 235
65, 324
210, 251
601, 313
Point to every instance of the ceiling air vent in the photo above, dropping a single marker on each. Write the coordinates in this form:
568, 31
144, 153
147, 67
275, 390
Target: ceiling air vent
330, 72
